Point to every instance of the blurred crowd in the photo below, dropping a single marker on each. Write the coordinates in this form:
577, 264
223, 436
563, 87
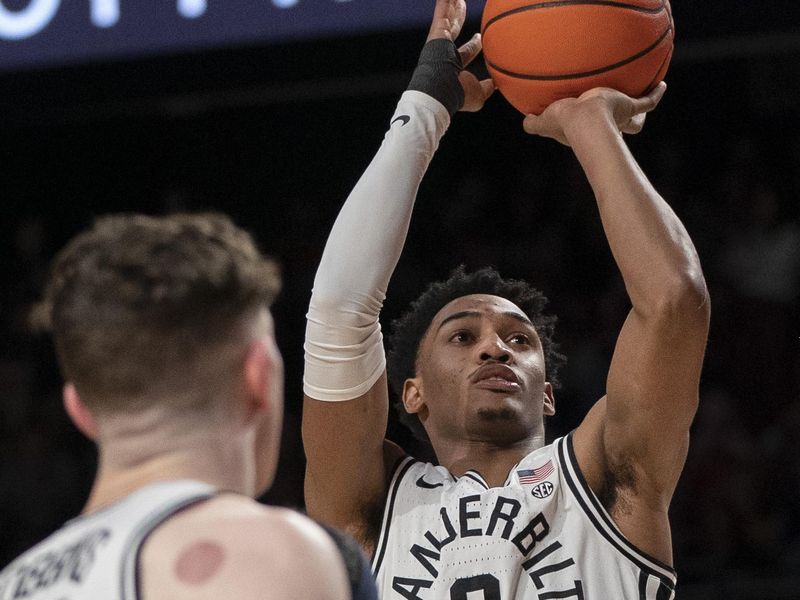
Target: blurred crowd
735, 510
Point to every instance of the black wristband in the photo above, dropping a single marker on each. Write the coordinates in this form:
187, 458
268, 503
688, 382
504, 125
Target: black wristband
437, 74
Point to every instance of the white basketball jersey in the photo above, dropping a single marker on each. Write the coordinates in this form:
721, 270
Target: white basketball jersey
95, 557
543, 535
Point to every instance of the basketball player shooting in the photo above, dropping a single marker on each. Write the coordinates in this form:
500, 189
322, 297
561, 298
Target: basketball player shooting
164, 334
502, 516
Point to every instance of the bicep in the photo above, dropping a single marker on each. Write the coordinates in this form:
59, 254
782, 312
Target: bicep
345, 467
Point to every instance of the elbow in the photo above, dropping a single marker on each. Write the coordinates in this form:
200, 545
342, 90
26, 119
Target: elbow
347, 300
344, 308
326, 300
684, 300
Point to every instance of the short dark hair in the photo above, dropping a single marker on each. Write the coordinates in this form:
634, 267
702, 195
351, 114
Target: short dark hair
408, 331
137, 303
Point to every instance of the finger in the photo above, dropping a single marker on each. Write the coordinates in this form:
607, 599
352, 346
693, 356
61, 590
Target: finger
458, 17
475, 92
635, 125
440, 26
448, 16
660, 90
487, 87
538, 125
471, 49
440, 29
531, 124
650, 101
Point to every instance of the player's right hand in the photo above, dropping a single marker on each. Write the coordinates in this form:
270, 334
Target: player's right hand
448, 19
628, 114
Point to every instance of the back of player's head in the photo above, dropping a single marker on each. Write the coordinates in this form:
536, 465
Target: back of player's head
144, 308
409, 330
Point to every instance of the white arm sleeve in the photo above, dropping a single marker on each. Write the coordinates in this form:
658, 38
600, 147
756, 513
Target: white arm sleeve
344, 353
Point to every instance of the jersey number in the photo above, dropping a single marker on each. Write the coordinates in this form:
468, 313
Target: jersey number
488, 584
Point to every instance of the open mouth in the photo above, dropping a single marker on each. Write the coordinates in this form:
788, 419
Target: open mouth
495, 377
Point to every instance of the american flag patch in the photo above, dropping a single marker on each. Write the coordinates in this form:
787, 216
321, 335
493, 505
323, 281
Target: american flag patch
528, 476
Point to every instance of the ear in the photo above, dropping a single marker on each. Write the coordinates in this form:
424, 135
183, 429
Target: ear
78, 412
412, 396
258, 367
549, 400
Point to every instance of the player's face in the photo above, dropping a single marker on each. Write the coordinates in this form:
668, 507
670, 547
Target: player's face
481, 374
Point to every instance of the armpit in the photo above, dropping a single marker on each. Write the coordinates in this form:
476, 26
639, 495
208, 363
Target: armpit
372, 518
620, 482
371, 514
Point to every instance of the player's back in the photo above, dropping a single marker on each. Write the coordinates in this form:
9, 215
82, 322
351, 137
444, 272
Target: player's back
180, 539
94, 555
235, 547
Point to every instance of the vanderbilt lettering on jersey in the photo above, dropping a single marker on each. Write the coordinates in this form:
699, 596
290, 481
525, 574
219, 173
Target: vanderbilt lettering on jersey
95, 556
542, 535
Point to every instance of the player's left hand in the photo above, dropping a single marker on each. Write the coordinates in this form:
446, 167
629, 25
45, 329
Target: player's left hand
476, 91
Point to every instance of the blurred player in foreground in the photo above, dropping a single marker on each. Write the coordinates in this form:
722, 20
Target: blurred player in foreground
502, 516
164, 335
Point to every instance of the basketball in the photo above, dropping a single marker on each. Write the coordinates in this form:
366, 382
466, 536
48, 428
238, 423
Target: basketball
540, 52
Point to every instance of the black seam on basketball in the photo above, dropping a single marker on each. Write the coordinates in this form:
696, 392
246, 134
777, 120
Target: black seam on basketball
558, 3
621, 63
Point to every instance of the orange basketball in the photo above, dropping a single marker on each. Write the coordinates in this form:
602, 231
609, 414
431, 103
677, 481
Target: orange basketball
539, 52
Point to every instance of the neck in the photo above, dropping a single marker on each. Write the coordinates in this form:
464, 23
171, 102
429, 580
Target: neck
132, 460
491, 460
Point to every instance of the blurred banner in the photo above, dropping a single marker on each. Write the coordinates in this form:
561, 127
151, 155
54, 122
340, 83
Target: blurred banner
41, 33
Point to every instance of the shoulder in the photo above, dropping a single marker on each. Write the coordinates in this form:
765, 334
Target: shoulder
233, 543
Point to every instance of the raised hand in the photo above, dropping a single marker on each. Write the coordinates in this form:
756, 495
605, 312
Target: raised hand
448, 18
628, 114
440, 71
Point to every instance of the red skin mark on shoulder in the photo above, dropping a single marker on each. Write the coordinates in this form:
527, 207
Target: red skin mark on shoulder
199, 562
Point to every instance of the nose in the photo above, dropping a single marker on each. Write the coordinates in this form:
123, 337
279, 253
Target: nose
494, 349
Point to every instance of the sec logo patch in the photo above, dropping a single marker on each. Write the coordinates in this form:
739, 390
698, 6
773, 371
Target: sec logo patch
543, 490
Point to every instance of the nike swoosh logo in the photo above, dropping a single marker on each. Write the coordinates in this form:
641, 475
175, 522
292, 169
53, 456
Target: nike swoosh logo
404, 119
428, 486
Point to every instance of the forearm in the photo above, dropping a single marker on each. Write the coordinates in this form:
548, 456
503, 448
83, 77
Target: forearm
373, 222
650, 245
371, 228
344, 352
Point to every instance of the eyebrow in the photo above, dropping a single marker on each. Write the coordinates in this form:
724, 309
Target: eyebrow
474, 313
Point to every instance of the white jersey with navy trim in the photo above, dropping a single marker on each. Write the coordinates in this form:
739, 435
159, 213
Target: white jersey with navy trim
543, 535
94, 557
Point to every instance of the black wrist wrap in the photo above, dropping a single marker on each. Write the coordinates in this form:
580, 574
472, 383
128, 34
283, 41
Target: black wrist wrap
437, 74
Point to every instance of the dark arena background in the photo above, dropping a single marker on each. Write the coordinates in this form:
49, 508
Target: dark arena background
269, 111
